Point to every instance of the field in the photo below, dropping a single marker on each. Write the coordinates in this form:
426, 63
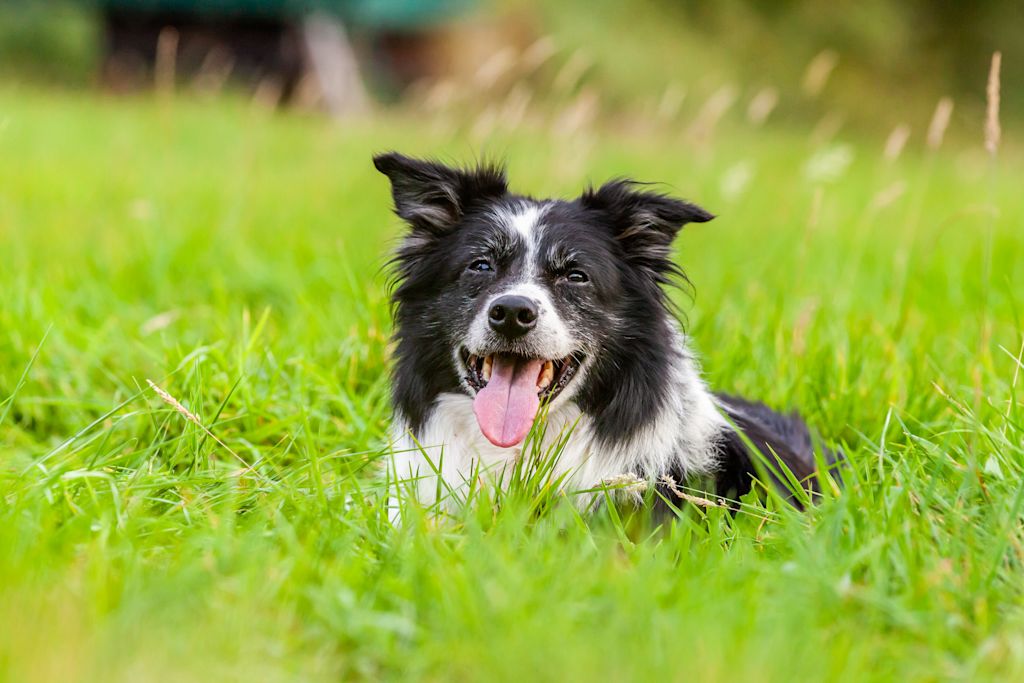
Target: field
233, 256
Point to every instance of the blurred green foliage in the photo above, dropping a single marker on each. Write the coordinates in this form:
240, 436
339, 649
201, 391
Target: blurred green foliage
52, 42
902, 45
893, 55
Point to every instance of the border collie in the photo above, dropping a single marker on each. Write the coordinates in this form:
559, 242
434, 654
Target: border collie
505, 304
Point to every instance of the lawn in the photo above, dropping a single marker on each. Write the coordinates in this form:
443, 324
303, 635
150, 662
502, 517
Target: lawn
233, 256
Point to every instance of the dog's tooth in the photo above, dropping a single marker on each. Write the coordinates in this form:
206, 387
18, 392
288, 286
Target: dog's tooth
488, 365
546, 375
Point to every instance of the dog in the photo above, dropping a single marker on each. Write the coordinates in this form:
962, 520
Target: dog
508, 307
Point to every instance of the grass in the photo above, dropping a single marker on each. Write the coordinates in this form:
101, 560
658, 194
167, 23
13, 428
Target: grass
233, 257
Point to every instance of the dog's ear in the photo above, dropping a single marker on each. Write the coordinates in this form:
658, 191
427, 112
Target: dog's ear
433, 197
645, 222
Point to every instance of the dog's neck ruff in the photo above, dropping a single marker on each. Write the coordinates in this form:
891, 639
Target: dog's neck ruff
682, 438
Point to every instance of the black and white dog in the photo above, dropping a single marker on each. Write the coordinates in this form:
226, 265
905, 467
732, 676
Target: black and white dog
504, 303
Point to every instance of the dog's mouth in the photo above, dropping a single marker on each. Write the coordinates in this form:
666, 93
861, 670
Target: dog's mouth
554, 375
509, 390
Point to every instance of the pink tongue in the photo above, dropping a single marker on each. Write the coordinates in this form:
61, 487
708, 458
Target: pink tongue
505, 408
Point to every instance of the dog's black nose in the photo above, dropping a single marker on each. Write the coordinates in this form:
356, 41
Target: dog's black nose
512, 316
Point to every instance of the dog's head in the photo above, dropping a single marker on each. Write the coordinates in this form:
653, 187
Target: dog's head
516, 301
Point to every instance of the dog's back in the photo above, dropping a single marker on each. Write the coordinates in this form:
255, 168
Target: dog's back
780, 439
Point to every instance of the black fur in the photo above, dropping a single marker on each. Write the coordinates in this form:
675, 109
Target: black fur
432, 197
780, 440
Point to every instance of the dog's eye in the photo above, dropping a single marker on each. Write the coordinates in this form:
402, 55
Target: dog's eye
577, 276
481, 266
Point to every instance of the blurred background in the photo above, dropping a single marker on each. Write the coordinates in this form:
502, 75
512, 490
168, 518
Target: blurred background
830, 64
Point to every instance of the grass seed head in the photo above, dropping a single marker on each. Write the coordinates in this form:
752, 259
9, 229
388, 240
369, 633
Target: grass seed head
896, 141
992, 130
174, 403
939, 122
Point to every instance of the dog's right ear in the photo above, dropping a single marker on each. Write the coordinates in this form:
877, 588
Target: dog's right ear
433, 197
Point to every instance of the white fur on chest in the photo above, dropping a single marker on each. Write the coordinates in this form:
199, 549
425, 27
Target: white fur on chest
684, 435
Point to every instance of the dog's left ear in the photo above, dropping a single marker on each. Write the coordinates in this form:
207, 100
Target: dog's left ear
433, 197
645, 222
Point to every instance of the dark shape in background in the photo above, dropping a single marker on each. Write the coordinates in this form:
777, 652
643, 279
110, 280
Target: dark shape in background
270, 42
